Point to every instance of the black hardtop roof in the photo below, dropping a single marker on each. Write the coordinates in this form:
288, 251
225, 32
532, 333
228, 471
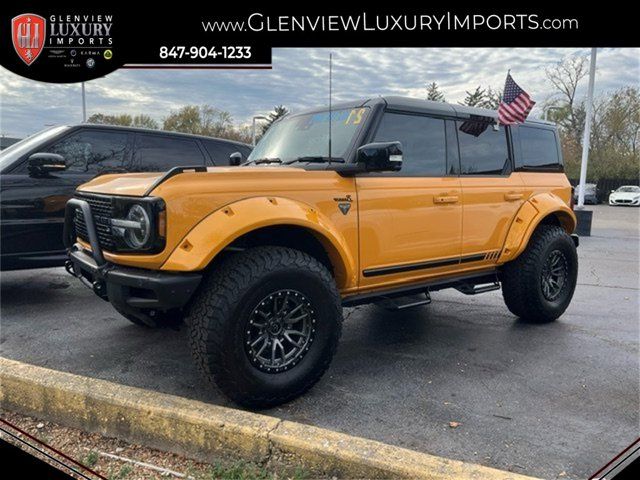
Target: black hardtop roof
156, 131
423, 106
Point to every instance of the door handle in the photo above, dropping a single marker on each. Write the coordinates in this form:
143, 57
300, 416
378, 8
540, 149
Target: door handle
512, 196
445, 199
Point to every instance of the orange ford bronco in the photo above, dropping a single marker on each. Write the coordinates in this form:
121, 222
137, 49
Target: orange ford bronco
383, 200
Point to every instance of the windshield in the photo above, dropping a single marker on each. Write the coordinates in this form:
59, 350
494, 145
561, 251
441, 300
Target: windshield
629, 189
18, 149
307, 135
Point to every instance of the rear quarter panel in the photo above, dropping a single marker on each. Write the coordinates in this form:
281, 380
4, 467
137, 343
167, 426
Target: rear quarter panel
543, 182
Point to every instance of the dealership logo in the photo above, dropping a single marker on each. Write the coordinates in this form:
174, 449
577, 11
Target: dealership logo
28, 33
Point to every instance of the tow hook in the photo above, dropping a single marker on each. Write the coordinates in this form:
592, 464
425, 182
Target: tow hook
68, 266
100, 289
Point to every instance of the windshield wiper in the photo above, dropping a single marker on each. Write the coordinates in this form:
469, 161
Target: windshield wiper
264, 160
314, 159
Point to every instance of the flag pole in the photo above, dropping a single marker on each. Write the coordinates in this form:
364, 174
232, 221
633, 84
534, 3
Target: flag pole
587, 130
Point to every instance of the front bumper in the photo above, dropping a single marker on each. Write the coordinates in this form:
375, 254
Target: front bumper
129, 289
631, 203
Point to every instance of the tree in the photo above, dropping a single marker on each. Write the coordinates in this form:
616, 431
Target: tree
124, 119
615, 135
475, 98
434, 93
492, 98
145, 121
200, 120
565, 76
278, 112
206, 120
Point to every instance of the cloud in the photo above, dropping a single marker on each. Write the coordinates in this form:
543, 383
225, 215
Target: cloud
299, 79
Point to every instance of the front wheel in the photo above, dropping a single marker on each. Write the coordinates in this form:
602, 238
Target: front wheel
265, 325
538, 285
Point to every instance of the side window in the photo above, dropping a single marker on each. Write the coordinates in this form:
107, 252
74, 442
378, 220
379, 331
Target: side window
453, 156
88, 151
538, 147
423, 142
157, 153
483, 150
220, 151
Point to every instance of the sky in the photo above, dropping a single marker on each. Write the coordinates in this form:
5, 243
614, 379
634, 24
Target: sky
299, 80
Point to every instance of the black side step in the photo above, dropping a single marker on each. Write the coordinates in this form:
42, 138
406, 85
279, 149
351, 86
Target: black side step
402, 303
453, 281
470, 289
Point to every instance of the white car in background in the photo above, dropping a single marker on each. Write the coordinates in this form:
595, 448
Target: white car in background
625, 195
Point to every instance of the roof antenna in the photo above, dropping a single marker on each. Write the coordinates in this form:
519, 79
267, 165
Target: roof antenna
330, 92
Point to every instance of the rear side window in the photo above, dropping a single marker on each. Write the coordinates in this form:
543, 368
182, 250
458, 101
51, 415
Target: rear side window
155, 153
538, 148
483, 150
424, 145
220, 151
88, 151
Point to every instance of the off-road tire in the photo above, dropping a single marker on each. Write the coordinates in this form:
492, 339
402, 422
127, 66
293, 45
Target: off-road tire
161, 320
522, 288
222, 309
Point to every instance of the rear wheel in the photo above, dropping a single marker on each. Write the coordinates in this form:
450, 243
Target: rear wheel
538, 285
265, 325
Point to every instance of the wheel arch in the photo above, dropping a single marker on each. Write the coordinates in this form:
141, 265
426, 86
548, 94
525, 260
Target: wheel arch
265, 221
544, 208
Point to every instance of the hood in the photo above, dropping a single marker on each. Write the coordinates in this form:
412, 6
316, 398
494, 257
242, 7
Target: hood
138, 184
130, 184
625, 195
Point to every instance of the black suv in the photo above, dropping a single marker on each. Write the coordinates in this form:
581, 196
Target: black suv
39, 174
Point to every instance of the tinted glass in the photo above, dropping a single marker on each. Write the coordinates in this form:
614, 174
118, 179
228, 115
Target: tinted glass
453, 157
423, 139
220, 151
92, 151
538, 147
155, 153
15, 151
307, 135
483, 150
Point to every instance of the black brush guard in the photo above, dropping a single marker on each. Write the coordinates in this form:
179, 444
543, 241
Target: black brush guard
130, 289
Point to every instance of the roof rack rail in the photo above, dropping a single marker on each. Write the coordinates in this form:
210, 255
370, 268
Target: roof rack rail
172, 173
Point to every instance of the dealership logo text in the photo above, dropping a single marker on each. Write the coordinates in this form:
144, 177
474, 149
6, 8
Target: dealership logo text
80, 30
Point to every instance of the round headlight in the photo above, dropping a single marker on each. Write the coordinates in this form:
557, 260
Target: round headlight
137, 237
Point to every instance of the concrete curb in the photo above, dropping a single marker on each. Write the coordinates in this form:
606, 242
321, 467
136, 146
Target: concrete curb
206, 432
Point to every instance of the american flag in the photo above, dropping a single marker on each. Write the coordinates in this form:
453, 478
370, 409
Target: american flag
515, 105
476, 125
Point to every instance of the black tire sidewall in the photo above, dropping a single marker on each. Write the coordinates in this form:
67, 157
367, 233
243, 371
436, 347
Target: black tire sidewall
247, 377
565, 245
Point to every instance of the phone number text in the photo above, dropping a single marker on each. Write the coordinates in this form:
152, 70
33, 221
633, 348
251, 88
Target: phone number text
195, 52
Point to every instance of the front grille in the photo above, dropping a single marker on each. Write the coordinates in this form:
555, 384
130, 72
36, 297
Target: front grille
102, 213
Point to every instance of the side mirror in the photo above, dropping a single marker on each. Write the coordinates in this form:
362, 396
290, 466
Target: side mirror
380, 157
613, 191
235, 159
42, 164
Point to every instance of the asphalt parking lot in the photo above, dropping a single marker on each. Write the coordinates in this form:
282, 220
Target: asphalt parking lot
555, 400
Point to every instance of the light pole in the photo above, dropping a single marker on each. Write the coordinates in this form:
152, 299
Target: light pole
253, 129
587, 129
